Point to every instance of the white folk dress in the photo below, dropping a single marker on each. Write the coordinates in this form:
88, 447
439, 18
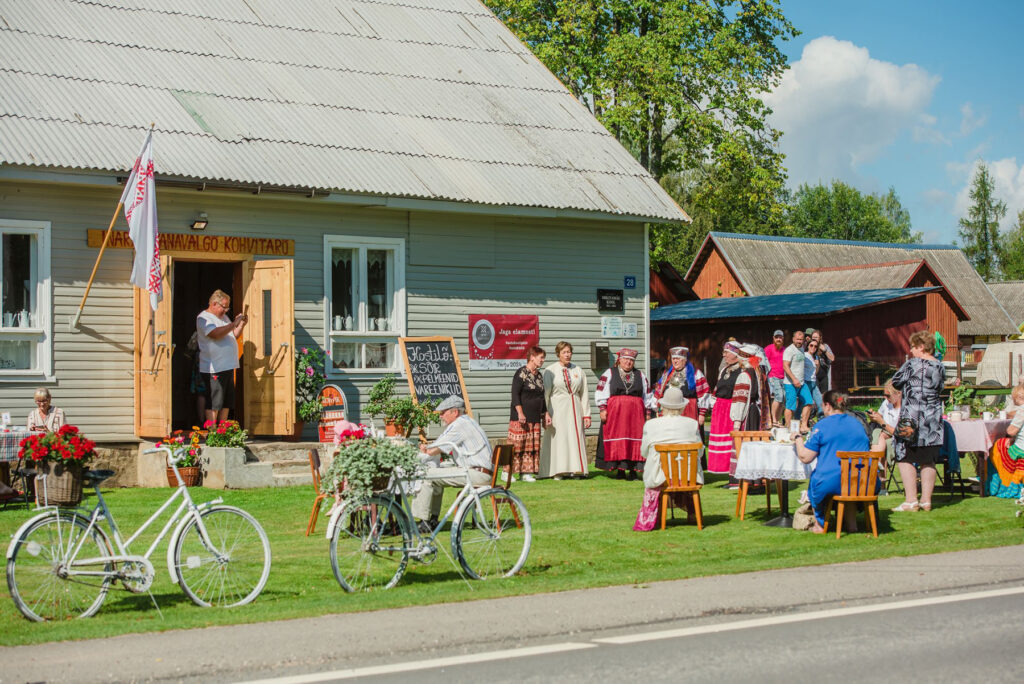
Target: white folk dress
564, 449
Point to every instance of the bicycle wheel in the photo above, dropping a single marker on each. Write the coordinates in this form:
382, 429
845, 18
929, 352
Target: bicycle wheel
492, 540
232, 568
37, 573
369, 547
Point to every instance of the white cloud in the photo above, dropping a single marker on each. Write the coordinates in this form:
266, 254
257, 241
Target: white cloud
968, 120
840, 109
1007, 180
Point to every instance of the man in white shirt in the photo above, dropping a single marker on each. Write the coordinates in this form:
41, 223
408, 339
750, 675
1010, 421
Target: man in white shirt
218, 354
466, 442
797, 393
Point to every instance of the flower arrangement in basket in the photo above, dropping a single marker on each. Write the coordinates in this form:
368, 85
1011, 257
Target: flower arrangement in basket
61, 457
188, 449
363, 464
309, 378
226, 433
401, 415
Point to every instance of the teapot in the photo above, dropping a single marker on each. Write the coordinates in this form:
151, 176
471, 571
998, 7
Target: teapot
780, 434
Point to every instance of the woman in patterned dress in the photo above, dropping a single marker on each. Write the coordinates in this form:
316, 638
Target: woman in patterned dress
623, 396
732, 400
564, 448
919, 431
527, 415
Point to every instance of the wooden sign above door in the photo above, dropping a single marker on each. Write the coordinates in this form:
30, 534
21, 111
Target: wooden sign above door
200, 243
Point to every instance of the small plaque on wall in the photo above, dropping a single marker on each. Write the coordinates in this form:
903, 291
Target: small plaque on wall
610, 300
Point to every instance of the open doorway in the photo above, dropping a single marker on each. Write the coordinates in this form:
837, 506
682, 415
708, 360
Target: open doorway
194, 282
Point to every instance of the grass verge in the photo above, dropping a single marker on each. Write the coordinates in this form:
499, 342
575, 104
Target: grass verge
582, 538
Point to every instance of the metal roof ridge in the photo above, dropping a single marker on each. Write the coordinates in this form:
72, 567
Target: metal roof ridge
831, 241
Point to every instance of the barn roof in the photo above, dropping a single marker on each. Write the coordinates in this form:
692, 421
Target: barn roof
762, 263
858, 277
1010, 294
428, 99
782, 305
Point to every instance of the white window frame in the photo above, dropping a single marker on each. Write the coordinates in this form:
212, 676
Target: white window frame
42, 332
362, 245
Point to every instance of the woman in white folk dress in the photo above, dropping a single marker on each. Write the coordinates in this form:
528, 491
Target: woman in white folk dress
564, 449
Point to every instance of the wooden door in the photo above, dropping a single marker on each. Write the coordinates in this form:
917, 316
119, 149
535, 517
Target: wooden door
153, 349
268, 356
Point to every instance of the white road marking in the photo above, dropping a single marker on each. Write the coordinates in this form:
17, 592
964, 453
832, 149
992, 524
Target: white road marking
804, 617
424, 664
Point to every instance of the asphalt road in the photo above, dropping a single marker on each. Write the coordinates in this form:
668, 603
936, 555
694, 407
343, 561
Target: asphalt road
910, 619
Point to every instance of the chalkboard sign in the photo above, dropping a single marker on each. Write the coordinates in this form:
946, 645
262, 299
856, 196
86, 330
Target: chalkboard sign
432, 366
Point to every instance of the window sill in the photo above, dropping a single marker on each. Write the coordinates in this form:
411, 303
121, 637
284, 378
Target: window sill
26, 376
341, 373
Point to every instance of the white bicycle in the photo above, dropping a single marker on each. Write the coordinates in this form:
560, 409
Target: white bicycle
61, 563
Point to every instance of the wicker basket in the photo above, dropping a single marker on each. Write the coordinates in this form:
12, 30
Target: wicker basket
63, 483
189, 474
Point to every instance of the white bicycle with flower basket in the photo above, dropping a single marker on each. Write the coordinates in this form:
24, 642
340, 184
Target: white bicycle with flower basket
61, 563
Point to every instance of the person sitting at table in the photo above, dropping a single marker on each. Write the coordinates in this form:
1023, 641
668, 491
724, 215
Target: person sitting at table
671, 428
466, 442
886, 418
45, 417
837, 431
1008, 454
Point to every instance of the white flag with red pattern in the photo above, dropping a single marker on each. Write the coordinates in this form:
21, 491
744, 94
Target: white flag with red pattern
139, 200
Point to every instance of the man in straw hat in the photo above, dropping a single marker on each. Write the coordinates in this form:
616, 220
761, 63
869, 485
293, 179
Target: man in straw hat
466, 443
623, 396
671, 428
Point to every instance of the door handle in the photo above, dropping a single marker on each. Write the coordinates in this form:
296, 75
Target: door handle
271, 366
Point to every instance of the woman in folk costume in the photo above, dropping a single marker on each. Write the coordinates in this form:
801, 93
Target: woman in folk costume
691, 381
564, 449
758, 417
732, 400
623, 396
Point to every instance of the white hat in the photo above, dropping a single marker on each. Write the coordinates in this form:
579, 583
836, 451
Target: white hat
450, 403
673, 399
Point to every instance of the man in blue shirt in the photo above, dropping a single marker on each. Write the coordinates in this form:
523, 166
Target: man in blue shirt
837, 431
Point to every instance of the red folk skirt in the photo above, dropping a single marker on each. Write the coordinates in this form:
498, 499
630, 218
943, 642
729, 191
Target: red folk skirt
623, 430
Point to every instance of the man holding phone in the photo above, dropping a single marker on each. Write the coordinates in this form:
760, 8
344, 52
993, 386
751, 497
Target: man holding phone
218, 354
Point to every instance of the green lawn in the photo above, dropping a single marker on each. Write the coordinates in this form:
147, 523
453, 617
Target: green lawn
582, 538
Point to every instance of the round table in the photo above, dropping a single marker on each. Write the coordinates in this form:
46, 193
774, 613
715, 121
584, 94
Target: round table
978, 436
774, 461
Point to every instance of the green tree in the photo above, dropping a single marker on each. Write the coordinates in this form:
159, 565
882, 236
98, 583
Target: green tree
841, 212
1011, 251
979, 230
678, 82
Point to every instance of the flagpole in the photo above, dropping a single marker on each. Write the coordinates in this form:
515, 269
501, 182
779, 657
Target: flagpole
95, 267
73, 325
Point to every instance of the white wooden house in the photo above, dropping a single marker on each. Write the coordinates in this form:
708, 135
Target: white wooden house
367, 169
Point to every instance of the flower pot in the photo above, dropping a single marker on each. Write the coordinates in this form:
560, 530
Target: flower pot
63, 483
296, 432
189, 474
394, 430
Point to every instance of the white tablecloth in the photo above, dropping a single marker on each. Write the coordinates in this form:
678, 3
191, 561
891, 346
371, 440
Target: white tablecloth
978, 435
772, 460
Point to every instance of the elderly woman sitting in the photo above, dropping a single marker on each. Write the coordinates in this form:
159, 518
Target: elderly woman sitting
671, 428
45, 417
837, 431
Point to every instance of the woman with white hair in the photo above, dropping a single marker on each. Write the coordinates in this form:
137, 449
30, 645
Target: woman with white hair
671, 428
732, 403
45, 417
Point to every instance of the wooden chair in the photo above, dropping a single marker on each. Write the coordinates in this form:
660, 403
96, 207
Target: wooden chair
858, 484
679, 464
314, 466
738, 438
502, 459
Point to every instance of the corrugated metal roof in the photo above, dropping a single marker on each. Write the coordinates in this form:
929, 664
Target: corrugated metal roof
781, 305
763, 262
870, 277
1010, 293
431, 99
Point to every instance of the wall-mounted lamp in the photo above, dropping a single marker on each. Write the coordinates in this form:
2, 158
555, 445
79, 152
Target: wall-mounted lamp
200, 223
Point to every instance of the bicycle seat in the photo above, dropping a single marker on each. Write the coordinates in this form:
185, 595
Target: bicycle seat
97, 476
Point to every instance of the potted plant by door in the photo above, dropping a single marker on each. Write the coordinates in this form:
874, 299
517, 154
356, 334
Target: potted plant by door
364, 464
401, 415
309, 377
188, 465
61, 457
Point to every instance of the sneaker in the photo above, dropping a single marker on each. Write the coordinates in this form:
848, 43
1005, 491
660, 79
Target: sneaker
527, 477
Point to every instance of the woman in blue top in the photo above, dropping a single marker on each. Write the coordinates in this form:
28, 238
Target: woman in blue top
837, 431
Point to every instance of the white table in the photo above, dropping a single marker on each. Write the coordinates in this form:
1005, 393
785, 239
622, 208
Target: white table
978, 436
774, 461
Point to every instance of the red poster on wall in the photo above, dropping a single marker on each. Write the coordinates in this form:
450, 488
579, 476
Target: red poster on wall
499, 342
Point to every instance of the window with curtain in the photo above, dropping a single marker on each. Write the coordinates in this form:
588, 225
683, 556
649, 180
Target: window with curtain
24, 298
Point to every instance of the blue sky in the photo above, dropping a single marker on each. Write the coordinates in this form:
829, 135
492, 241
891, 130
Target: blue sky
908, 94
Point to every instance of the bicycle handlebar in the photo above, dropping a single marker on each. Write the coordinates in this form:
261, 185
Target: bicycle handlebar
170, 453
